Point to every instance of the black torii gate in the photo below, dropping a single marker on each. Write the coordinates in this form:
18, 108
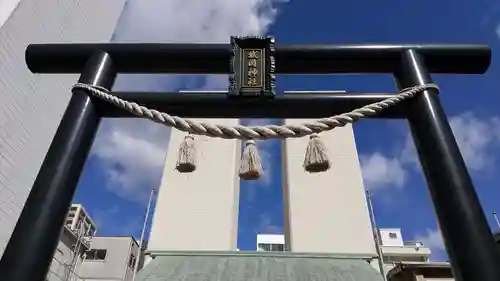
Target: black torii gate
474, 255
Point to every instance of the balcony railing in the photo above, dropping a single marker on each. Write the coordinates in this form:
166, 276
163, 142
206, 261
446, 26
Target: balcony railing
414, 243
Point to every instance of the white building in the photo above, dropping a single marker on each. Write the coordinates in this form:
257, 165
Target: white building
81, 255
68, 258
326, 212
270, 243
110, 258
32, 105
78, 218
199, 210
396, 250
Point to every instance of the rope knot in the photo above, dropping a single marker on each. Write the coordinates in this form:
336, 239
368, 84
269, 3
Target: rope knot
250, 164
316, 159
186, 160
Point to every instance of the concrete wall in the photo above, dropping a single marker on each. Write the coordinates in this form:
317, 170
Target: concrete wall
66, 262
326, 212
116, 264
388, 239
199, 210
32, 105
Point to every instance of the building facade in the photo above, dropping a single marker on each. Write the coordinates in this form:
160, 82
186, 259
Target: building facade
326, 212
395, 250
78, 218
270, 243
433, 271
68, 257
110, 258
32, 105
82, 256
199, 210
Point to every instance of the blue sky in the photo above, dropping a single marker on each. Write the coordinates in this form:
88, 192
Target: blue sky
127, 157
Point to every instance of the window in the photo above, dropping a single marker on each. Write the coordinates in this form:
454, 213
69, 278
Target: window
271, 247
73, 208
393, 235
264, 247
277, 247
131, 261
96, 254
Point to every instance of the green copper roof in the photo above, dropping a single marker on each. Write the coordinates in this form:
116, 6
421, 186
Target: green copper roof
243, 266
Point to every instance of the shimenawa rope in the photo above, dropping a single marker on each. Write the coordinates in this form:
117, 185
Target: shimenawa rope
316, 159
254, 132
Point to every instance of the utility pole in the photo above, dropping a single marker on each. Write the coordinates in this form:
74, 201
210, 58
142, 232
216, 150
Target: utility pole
376, 236
139, 250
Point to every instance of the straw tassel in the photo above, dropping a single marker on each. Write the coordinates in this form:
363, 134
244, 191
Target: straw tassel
186, 160
250, 166
316, 159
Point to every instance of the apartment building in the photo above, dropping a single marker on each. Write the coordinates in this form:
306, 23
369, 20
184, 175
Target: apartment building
396, 250
78, 218
111, 258
68, 257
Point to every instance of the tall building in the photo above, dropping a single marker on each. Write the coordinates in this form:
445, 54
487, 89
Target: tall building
32, 105
326, 212
199, 210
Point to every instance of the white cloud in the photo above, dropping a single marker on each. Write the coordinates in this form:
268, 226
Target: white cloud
476, 137
266, 225
433, 239
132, 154
133, 151
380, 171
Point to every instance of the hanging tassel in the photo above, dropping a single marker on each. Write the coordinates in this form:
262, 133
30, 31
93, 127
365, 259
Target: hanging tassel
250, 166
316, 159
186, 160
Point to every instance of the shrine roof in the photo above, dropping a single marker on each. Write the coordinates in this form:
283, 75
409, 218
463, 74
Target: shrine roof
256, 266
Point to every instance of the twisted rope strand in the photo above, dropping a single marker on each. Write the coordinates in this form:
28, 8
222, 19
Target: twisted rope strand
254, 132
